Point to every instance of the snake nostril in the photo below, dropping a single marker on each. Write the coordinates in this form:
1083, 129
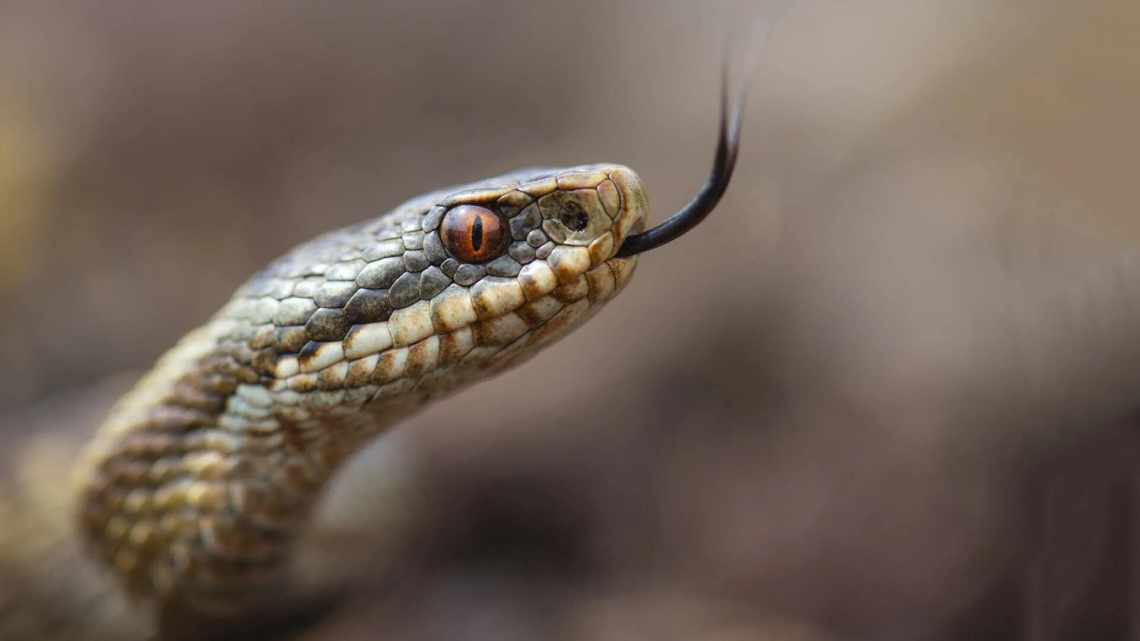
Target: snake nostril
574, 218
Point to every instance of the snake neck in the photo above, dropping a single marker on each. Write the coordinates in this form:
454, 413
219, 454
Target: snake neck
200, 481
203, 478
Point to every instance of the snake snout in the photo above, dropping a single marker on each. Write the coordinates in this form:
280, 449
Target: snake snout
634, 203
593, 207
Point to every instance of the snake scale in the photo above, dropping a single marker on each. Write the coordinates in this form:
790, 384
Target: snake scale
196, 488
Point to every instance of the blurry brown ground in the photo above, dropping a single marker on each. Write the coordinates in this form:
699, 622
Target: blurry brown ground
878, 395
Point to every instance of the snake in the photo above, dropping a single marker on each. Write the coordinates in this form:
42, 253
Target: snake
192, 494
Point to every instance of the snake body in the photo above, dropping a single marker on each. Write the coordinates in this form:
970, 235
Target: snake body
196, 488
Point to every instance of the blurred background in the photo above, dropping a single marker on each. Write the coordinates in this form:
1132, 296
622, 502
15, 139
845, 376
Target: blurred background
885, 392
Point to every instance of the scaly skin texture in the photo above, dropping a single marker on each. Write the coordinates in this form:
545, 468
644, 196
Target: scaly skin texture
196, 488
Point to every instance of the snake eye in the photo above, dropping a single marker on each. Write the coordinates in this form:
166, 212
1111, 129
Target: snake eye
473, 234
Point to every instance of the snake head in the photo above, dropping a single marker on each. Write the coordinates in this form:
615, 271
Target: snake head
531, 255
594, 207
574, 219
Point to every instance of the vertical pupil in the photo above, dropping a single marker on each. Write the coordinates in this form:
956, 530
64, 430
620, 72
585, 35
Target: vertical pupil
477, 233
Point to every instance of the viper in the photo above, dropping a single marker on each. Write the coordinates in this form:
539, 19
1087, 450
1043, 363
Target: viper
193, 493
